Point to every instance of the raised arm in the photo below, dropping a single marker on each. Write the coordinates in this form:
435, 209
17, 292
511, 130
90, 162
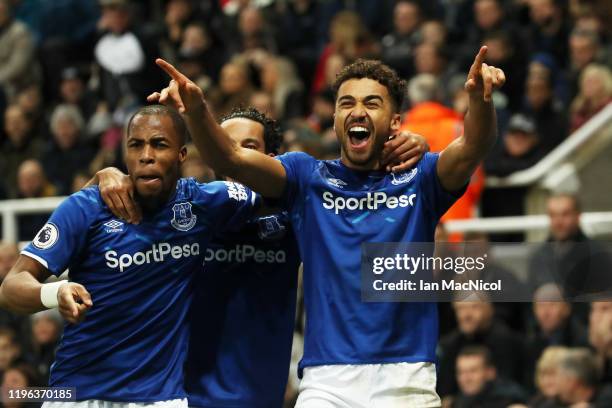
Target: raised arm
256, 170
460, 158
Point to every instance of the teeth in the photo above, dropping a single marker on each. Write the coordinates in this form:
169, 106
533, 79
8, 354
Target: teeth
359, 129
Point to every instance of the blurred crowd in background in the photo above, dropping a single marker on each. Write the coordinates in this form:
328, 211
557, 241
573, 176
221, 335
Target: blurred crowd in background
72, 72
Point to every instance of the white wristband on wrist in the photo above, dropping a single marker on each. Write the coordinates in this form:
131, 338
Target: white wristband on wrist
48, 293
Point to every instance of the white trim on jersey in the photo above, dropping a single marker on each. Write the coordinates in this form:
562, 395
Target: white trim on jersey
36, 258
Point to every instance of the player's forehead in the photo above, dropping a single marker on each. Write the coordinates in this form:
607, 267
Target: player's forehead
148, 126
240, 129
361, 88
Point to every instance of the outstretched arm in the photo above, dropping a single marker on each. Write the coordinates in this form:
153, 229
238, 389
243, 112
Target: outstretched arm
459, 160
258, 171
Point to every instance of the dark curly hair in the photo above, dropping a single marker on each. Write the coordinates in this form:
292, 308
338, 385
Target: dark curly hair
377, 71
272, 133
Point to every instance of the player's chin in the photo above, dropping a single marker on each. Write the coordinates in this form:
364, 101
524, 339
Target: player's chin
149, 188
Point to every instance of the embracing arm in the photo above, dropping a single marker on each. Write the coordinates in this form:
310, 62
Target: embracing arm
461, 158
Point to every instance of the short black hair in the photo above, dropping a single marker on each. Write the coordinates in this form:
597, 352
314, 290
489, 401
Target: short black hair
273, 136
177, 120
479, 351
376, 70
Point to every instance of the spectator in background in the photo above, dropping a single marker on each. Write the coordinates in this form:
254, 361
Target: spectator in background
126, 58
32, 183
21, 144
235, 88
433, 32
350, 40
200, 55
8, 256
254, 32
519, 148
46, 327
440, 125
178, 14
584, 47
10, 349
554, 326
542, 105
579, 381
280, 81
30, 100
600, 336
546, 377
489, 17
569, 258
16, 377
398, 46
67, 153
432, 59
479, 385
548, 29
300, 39
477, 327
18, 66
594, 94
73, 91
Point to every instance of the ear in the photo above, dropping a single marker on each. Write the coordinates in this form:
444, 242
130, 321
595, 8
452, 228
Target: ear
271, 155
182, 154
396, 123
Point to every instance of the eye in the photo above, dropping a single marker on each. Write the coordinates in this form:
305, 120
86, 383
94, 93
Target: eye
251, 146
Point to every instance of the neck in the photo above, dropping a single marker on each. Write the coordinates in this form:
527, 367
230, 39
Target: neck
369, 166
153, 203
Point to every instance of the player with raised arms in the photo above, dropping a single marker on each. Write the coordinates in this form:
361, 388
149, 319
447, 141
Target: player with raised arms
131, 285
356, 354
327, 202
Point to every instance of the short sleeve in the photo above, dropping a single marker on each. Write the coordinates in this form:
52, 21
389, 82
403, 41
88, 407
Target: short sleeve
437, 197
298, 167
61, 239
233, 204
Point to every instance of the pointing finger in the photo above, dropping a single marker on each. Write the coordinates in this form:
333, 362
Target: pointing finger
171, 71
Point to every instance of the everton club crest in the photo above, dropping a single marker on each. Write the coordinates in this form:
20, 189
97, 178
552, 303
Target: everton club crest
270, 228
183, 219
403, 178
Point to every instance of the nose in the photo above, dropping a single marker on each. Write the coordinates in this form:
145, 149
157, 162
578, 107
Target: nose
147, 155
358, 112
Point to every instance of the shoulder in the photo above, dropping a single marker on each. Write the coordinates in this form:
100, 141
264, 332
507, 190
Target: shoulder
88, 198
296, 157
217, 191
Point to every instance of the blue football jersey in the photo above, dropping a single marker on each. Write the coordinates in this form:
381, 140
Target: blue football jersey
132, 345
243, 317
334, 210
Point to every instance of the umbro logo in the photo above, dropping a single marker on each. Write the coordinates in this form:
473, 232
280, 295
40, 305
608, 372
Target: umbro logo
113, 226
336, 182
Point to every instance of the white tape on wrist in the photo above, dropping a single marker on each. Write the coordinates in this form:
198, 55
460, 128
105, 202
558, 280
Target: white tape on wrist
48, 293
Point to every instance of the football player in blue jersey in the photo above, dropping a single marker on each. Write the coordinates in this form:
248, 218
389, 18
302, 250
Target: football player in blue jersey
244, 303
356, 354
131, 285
